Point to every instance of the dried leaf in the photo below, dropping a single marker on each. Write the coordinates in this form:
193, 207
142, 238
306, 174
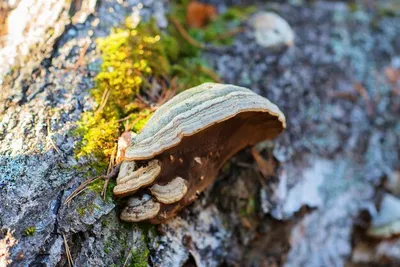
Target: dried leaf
392, 74
124, 141
199, 14
266, 167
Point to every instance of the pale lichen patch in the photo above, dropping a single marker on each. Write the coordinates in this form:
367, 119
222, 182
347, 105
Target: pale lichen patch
6, 243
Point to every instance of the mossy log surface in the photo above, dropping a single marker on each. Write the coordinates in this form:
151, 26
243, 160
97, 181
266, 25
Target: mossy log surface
337, 86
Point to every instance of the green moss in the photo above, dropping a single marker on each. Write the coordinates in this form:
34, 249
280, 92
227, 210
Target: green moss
30, 231
126, 65
249, 208
88, 208
97, 186
215, 32
81, 211
107, 247
96, 130
133, 59
226, 22
140, 255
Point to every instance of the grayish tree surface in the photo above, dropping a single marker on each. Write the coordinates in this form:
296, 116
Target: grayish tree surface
339, 154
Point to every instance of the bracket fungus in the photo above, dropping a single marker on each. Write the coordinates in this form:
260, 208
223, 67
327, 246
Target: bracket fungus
182, 147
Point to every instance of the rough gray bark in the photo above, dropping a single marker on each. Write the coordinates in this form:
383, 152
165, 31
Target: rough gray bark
342, 139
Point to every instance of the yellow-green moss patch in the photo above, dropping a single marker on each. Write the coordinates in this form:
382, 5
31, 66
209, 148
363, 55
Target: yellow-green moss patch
135, 62
31, 230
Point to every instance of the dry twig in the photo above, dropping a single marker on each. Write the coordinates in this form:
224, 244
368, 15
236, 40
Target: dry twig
364, 94
68, 252
230, 33
49, 137
266, 167
343, 94
83, 186
79, 62
185, 34
210, 73
127, 257
103, 102
109, 170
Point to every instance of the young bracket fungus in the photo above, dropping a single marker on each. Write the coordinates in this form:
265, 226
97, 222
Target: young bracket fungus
182, 147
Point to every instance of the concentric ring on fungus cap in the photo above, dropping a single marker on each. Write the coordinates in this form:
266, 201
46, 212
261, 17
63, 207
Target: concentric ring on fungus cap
178, 118
189, 138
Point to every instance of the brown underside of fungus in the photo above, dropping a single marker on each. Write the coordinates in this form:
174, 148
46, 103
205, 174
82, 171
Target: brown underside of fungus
182, 147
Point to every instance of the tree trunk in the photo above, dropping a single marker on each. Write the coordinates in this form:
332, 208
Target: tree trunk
338, 87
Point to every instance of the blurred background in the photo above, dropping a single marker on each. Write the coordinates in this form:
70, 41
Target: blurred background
326, 192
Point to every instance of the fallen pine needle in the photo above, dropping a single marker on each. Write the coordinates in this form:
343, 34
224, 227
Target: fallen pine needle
49, 138
127, 257
184, 33
364, 94
68, 252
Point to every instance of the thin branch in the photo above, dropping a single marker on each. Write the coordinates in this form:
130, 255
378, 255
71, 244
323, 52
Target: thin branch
136, 120
112, 174
68, 252
185, 34
112, 159
210, 73
364, 94
127, 257
230, 33
49, 137
125, 118
80, 188
79, 62
104, 100
109, 171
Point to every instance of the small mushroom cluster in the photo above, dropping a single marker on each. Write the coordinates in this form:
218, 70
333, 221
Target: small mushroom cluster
182, 147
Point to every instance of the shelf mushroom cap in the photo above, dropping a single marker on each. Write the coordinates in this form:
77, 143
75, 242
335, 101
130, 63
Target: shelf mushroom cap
187, 141
140, 208
129, 182
195, 110
171, 192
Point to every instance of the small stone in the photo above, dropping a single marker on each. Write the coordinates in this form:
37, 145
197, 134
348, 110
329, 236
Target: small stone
271, 30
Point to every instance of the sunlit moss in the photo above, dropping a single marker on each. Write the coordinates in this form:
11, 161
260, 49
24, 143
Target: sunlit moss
98, 132
31, 230
130, 57
98, 186
88, 209
133, 59
139, 255
81, 211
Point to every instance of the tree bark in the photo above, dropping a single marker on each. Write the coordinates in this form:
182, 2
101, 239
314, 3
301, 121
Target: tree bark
337, 87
